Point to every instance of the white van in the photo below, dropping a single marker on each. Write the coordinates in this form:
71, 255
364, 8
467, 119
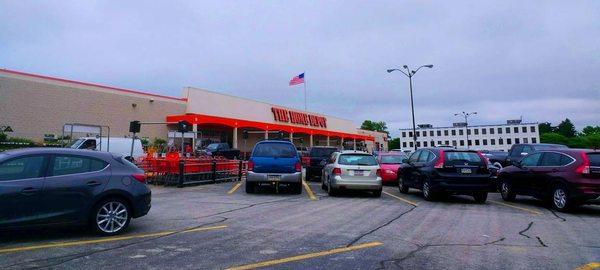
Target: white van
119, 146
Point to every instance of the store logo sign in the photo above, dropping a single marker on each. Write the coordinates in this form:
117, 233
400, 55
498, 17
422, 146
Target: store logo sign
287, 116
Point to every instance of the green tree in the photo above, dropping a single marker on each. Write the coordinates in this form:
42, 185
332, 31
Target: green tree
3, 136
545, 128
553, 137
158, 142
593, 141
380, 126
567, 129
589, 130
394, 143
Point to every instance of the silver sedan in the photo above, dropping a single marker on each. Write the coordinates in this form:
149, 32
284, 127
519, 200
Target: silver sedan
351, 170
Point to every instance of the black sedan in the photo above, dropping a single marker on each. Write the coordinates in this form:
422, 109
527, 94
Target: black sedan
45, 186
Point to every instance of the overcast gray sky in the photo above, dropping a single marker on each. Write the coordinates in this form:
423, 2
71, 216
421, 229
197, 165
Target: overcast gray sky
504, 59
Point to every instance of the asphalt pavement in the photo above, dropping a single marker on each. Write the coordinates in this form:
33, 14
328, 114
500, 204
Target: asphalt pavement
221, 227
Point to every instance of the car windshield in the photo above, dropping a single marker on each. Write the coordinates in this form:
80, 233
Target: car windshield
321, 152
357, 159
76, 144
462, 157
392, 159
279, 150
212, 146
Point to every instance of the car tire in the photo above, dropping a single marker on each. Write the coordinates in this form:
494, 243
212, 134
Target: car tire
480, 197
377, 193
428, 194
506, 191
403, 188
297, 188
560, 198
250, 187
331, 191
110, 216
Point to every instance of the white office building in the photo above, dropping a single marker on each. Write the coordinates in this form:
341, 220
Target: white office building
483, 137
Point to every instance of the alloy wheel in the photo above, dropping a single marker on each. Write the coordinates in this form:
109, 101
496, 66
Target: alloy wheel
426, 189
112, 217
504, 189
560, 198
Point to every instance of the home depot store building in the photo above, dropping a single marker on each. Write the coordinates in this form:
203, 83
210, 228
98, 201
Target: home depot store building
36, 105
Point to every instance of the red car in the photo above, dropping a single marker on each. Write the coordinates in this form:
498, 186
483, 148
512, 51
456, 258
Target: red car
390, 164
564, 177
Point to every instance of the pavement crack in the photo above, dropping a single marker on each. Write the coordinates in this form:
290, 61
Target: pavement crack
380, 226
526, 229
557, 216
541, 242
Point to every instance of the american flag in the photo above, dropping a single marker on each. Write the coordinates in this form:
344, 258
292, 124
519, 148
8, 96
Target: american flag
297, 80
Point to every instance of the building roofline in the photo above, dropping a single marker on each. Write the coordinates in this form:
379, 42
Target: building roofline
497, 125
14, 72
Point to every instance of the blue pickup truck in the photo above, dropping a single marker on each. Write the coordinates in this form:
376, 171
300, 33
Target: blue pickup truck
274, 163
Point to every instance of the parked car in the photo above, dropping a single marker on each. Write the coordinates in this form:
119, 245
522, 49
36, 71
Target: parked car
274, 163
443, 170
115, 145
565, 177
495, 157
390, 165
43, 186
354, 170
222, 149
518, 151
318, 156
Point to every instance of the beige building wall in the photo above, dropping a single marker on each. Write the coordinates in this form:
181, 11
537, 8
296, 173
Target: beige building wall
380, 137
34, 106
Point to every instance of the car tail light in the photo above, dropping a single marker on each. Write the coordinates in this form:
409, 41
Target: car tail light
378, 173
483, 158
337, 171
139, 177
439, 164
298, 166
250, 165
584, 168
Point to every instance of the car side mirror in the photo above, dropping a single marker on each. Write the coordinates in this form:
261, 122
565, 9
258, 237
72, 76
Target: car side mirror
524, 153
518, 164
405, 160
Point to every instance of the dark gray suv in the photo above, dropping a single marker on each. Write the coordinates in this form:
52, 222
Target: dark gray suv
55, 186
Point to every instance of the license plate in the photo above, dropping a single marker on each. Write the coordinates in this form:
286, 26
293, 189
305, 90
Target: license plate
273, 177
465, 170
358, 173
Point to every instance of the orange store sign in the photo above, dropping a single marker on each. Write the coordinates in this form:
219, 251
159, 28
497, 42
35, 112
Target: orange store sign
287, 116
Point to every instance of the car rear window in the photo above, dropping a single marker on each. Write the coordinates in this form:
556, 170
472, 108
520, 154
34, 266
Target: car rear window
280, 150
357, 159
594, 159
462, 157
392, 159
321, 152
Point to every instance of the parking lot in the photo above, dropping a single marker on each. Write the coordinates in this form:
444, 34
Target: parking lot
220, 226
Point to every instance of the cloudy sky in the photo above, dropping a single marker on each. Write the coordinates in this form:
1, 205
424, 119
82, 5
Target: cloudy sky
539, 60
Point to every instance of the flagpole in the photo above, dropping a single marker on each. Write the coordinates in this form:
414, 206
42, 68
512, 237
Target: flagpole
305, 91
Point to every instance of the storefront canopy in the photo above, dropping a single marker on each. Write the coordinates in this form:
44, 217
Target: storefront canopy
239, 123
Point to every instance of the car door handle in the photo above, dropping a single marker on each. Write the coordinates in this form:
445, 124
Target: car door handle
93, 183
29, 191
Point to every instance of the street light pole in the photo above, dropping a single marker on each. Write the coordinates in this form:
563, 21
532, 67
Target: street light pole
410, 74
466, 116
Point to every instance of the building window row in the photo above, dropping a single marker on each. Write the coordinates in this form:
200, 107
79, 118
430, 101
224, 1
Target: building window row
475, 142
476, 131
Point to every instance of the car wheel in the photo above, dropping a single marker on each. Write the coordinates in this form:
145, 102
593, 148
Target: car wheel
560, 198
497, 165
480, 197
427, 192
330, 190
110, 217
377, 193
506, 192
403, 188
250, 187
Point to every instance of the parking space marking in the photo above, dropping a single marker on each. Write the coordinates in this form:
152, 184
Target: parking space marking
589, 266
518, 207
104, 240
234, 188
400, 198
305, 256
309, 191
